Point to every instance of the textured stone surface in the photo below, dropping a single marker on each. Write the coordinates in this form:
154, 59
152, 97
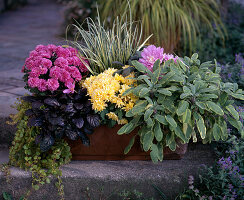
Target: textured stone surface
21, 30
7, 132
114, 176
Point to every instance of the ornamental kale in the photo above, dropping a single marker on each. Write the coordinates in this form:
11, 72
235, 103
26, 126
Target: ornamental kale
151, 54
69, 115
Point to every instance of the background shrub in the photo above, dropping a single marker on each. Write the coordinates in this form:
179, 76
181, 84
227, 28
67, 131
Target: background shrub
171, 22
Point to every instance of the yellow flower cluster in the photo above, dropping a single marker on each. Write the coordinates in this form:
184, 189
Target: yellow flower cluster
114, 117
105, 88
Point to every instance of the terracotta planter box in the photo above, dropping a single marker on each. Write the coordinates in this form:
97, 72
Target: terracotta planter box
105, 144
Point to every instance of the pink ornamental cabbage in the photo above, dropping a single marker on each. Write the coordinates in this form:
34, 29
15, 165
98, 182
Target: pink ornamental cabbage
152, 53
49, 66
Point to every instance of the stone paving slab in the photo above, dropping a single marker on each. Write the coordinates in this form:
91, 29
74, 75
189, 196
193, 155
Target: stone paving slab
114, 176
40, 22
3, 156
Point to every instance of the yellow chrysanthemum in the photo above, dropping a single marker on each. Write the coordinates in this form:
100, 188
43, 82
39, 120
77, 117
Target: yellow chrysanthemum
128, 106
123, 121
112, 116
105, 88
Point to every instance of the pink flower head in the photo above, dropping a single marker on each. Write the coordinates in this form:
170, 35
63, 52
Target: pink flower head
83, 67
35, 72
64, 75
51, 47
42, 85
37, 61
75, 73
52, 84
43, 70
46, 54
46, 63
150, 55
76, 61
40, 47
29, 63
61, 66
33, 82
70, 60
55, 72
168, 57
61, 62
73, 51
23, 68
34, 53
71, 88
62, 52
175, 59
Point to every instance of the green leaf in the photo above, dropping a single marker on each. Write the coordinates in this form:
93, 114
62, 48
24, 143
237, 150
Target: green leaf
176, 78
233, 111
160, 151
216, 132
238, 96
161, 119
164, 92
149, 100
140, 67
131, 143
147, 140
183, 105
148, 114
150, 122
186, 90
201, 127
36, 187
138, 88
166, 77
156, 71
127, 128
201, 105
171, 121
7, 196
137, 109
169, 138
208, 96
237, 124
158, 131
179, 133
154, 153
187, 116
128, 91
144, 92
184, 95
215, 108
206, 64
187, 130
172, 88
48, 180
172, 146
194, 56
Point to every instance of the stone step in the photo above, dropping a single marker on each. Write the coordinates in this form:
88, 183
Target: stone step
7, 131
108, 178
